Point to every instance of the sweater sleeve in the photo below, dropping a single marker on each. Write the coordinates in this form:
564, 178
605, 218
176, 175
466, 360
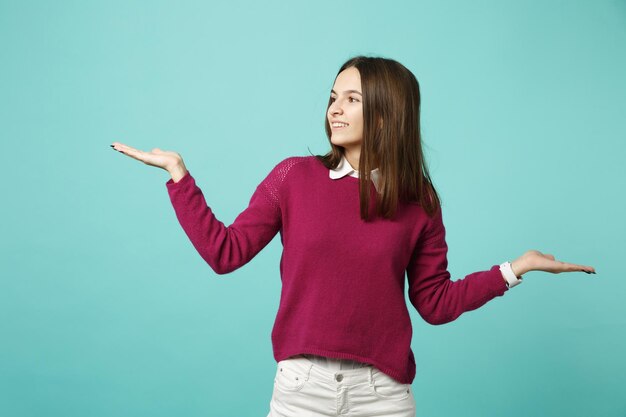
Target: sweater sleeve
436, 297
227, 248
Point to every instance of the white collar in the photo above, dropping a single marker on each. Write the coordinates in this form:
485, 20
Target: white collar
344, 168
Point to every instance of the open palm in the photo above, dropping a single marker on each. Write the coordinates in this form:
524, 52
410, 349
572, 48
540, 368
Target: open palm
166, 160
533, 260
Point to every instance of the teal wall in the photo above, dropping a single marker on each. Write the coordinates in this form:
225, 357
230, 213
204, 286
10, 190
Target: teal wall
107, 310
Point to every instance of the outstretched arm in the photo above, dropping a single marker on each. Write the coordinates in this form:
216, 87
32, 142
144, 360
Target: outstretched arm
224, 248
439, 300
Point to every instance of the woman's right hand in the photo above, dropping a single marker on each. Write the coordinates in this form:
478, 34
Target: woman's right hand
170, 161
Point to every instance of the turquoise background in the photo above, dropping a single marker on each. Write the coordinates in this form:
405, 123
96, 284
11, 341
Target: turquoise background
107, 310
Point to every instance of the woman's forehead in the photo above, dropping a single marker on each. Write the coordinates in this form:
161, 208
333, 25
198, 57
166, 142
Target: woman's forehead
348, 79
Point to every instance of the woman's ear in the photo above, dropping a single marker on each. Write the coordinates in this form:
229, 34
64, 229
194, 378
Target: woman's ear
380, 123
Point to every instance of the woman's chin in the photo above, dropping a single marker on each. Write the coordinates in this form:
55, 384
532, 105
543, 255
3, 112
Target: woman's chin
344, 143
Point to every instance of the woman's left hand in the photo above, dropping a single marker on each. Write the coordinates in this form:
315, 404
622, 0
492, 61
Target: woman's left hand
533, 260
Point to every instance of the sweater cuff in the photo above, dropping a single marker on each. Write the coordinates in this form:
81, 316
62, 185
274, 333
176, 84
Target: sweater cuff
497, 280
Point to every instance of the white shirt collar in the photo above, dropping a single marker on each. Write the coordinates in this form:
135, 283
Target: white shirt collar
344, 168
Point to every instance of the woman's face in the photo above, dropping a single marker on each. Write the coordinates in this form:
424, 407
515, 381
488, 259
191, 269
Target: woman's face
347, 107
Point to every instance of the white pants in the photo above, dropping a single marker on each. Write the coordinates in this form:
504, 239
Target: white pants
315, 386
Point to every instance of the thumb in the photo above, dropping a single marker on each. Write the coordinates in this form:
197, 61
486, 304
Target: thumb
157, 150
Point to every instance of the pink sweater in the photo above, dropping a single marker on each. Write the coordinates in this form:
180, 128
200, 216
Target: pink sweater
343, 280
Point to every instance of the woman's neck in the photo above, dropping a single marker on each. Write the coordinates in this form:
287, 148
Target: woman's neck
353, 158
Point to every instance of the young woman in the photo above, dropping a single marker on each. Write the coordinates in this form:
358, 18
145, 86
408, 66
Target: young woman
342, 333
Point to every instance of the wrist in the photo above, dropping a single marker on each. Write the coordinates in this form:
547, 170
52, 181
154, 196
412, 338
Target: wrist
177, 172
519, 268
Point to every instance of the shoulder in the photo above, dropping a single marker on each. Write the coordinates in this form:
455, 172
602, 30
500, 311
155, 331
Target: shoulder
291, 161
288, 167
291, 165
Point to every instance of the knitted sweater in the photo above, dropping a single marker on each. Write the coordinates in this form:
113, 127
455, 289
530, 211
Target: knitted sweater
343, 279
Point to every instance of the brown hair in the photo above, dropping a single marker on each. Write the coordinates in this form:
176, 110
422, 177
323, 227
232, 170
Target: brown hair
391, 93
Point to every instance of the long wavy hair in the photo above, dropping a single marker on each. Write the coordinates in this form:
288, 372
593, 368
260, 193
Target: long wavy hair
390, 94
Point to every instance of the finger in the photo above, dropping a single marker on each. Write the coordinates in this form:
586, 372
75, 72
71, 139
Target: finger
581, 268
126, 147
585, 268
120, 147
136, 154
117, 147
588, 269
133, 153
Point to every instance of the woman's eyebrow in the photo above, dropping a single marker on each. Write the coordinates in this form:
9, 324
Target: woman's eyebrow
349, 91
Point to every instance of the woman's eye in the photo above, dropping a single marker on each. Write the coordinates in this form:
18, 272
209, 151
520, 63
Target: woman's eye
349, 98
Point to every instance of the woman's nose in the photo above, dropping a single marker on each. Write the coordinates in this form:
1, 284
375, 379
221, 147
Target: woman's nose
334, 109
